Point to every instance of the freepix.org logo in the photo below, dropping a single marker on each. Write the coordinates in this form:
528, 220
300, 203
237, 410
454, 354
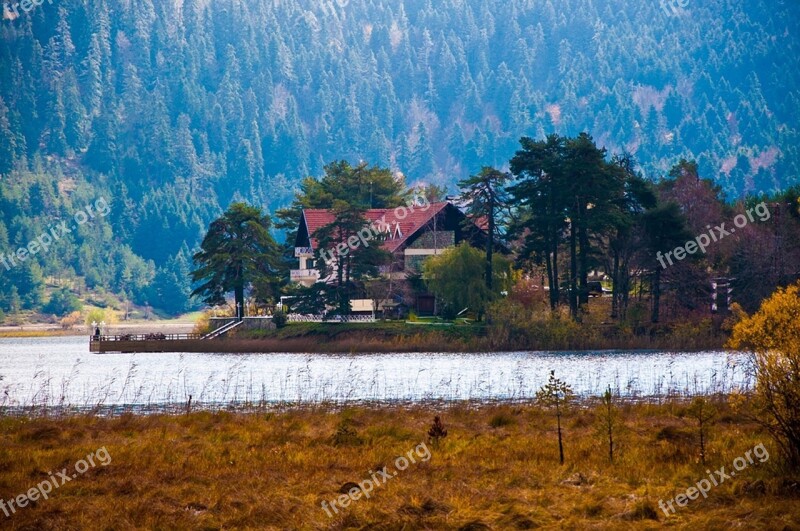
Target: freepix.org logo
673, 7
43, 490
715, 234
11, 10
54, 233
373, 230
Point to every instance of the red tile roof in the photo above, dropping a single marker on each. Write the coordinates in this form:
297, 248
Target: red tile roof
415, 218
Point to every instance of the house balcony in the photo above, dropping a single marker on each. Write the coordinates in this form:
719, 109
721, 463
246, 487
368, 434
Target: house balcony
305, 276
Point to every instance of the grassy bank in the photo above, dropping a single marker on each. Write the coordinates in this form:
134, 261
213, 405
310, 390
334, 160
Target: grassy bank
31, 324
173, 326
368, 337
413, 337
39, 332
497, 467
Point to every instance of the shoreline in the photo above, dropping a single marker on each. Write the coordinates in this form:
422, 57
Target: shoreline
244, 408
304, 346
50, 330
369, 339
386, 337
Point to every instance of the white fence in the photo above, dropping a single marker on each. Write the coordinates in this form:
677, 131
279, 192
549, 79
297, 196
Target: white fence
298, 318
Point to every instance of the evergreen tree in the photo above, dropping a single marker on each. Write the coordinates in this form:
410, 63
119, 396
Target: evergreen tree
237, 250
665, 229
348, 265
486, 200
8, 143
422, 164
32, 285
171, 289
63, 302
540, 199
361, 186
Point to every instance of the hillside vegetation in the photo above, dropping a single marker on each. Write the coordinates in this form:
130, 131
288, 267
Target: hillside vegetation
171, 110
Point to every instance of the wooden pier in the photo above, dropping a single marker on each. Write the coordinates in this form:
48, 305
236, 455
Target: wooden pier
150, 343
212, 342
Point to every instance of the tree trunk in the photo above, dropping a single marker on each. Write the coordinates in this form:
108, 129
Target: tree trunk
552, 230
340, 285
583, 257
615, 288
560, 443
656, 294
573, 272
490, 245
555, 289
552, 280
625, 288
239, 299
610, 421
702, 443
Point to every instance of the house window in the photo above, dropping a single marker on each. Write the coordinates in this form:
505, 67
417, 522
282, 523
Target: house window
435, 240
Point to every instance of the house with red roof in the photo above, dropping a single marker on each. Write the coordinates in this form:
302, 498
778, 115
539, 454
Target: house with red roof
410, 233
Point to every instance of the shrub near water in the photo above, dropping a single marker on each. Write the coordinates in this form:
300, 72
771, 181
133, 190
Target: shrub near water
773, 334
280, 319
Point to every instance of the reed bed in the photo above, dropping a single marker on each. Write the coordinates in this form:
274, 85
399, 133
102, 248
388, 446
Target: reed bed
157, 382
497, 468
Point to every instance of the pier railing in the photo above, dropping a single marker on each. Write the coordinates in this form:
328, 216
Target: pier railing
221, 331
298, 318
147, 337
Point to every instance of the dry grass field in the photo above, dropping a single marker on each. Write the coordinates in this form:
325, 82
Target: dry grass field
497, 468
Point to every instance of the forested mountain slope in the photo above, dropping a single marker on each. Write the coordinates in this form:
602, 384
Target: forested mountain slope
171, 109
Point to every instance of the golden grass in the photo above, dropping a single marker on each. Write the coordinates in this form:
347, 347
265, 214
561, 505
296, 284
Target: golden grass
498, 466
41, 333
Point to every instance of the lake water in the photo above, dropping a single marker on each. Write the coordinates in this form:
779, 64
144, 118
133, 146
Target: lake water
48, 372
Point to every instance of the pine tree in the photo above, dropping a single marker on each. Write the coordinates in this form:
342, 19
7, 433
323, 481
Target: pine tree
14, 301
556, 395
92, 77
486, 199
422, 165
32, 291
8, 143
236, 251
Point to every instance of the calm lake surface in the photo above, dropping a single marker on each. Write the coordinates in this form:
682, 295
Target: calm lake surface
61, 372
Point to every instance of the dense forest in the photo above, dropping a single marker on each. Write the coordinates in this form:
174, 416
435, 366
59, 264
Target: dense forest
171, 110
